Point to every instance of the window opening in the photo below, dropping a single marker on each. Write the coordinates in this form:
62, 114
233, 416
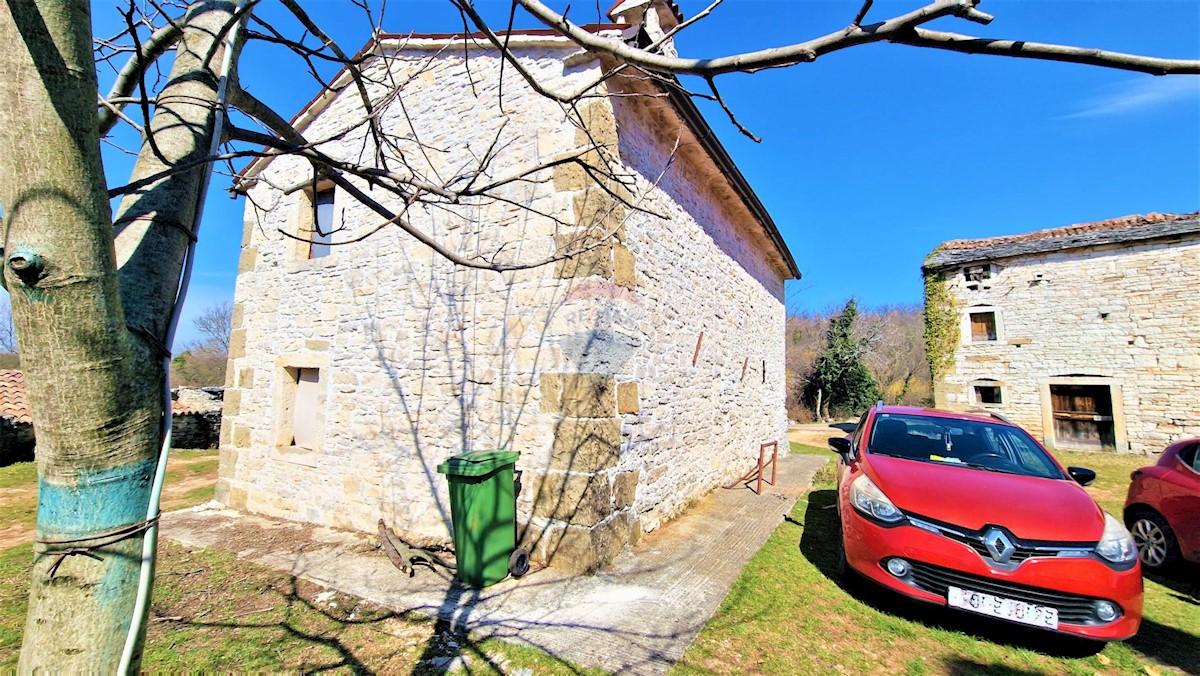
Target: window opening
983, 327
977, 273
987, 394
322, 233
306, 410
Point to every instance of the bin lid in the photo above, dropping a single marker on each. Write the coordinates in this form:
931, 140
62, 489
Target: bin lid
477, 463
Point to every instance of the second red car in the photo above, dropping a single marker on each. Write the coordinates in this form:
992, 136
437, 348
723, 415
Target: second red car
1163, 507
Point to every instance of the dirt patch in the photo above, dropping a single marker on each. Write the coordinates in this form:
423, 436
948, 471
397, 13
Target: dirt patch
11, 536
18, 504
813, 435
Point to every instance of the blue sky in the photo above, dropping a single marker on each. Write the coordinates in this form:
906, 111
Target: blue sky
872, 156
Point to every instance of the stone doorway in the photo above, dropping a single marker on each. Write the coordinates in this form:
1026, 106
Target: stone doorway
1083, 416
1083, 412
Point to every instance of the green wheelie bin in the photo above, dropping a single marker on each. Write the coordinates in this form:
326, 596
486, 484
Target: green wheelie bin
483, 510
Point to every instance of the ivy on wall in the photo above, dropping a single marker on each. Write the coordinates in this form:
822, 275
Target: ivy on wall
941, 325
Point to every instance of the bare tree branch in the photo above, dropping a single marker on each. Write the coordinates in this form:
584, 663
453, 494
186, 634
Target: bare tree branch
921, 37
901, 29
132, 72
862, 13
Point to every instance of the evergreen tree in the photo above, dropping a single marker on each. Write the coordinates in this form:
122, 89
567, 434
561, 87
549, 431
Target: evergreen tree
840, 379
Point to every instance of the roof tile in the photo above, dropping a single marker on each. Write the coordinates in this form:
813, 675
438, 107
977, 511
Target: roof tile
13, 404
1136, 220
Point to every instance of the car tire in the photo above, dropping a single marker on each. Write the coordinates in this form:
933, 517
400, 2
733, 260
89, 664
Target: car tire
1157, 547
840, 565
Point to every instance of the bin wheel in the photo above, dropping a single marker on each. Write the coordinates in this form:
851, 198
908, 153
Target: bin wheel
518, 563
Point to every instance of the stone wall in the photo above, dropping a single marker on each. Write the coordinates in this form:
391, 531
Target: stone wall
196, 417
16, 442
584, 366
1123, 316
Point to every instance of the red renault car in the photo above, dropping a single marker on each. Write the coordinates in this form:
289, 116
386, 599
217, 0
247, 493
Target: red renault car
970, 512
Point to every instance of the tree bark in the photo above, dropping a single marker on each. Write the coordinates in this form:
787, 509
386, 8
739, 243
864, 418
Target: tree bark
91, 342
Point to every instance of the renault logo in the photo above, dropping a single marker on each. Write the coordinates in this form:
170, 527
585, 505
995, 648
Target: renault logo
998, 545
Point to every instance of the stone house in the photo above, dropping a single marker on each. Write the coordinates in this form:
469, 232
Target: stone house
1088, 336
196, 416
16, 423
632, 377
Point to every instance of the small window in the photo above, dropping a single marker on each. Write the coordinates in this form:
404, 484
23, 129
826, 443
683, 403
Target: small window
306, 411
301, 403
988, 394
977, 273
322, 233
983, 327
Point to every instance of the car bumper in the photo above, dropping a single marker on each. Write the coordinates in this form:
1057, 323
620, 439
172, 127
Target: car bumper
936, 559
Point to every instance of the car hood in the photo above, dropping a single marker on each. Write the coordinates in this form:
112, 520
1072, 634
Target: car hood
1031, 508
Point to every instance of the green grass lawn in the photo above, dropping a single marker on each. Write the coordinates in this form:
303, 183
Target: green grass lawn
785, 614
214, 612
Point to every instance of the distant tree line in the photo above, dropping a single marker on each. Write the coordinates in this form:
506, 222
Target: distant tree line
845, 359
201, 363
9, 359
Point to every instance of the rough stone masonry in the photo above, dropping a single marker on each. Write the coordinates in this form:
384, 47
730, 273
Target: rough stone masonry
1112, 306
631, 378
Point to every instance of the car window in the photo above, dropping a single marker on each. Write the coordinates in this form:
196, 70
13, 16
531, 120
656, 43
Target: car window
1191, 456
967, 443
856, 440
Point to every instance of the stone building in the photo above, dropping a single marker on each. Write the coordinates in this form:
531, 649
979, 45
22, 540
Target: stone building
196, 416
1088, 336
632, 378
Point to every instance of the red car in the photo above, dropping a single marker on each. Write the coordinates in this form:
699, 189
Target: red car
970, 512
1162, 509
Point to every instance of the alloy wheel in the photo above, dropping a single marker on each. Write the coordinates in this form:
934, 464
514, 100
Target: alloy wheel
1151, 542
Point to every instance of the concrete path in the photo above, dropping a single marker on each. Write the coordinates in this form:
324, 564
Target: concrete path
637, 616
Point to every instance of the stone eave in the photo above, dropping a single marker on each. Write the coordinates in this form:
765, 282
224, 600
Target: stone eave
946, 258
716, 151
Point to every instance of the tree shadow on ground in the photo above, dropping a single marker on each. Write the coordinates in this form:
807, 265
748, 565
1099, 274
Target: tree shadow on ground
294, 624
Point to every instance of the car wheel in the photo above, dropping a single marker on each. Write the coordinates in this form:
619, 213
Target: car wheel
1155, 540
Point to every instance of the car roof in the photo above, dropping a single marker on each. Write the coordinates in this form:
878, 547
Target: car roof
939, 413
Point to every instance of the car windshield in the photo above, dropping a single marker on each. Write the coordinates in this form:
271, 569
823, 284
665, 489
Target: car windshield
964, 443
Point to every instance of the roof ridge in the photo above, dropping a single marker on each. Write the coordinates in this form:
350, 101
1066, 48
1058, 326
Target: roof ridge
1119, 223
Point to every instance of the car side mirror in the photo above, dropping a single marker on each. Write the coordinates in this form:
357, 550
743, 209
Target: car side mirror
1083, 475
841, 446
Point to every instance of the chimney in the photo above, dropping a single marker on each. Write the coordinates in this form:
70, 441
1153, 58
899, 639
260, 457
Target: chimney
651, 18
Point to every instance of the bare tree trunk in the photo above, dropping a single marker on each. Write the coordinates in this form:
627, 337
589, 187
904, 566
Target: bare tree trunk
91, 345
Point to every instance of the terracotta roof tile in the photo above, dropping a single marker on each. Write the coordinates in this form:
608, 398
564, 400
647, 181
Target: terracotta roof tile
1136, 220
13, 404
1122, 231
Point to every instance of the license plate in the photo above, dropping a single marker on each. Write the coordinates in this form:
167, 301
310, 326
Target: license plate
1007, 609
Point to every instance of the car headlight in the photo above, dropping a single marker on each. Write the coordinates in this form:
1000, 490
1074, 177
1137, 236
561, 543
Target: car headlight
868, 499
1116, 544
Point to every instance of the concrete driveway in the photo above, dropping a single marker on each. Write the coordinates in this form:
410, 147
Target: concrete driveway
636, 616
